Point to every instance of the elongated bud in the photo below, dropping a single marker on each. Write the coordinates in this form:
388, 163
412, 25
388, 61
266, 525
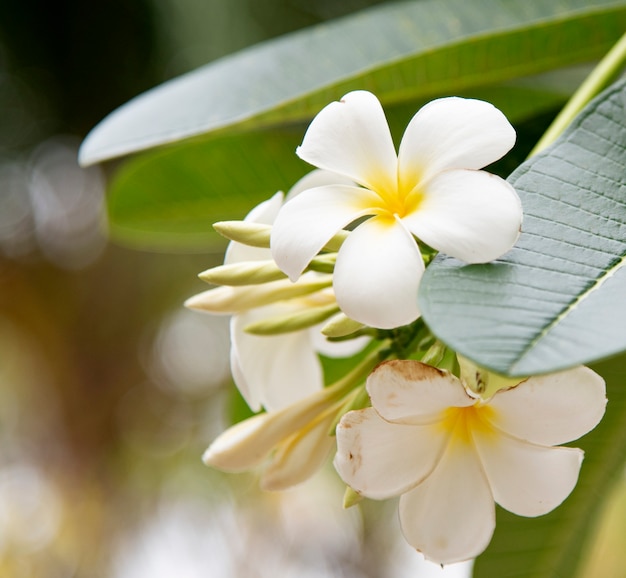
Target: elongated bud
247, 273
341, 326
258, 235
323, 263
245, 232
224, 300
292, 321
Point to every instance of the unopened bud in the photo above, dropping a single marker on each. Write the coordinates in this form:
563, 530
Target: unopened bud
341, 326
292, 321
246, 273
247, 233
222, 300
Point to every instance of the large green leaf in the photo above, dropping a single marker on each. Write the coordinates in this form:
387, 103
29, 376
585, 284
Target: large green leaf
558, 298
402, 51
551, 546
167, 199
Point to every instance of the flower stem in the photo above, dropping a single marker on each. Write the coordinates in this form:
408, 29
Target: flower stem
361, 371
434, 354
602, 75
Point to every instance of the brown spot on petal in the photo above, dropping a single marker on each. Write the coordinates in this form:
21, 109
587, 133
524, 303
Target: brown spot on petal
410, 370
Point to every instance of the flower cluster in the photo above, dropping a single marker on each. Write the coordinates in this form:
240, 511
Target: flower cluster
334, 269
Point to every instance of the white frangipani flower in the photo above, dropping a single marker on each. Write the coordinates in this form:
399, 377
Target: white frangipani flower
274, 371
431, 189
450, 454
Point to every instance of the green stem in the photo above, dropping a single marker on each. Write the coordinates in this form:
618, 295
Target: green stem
360, 372
434, 354
603, 74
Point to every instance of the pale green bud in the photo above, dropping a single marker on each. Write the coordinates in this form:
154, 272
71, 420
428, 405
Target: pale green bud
258, 235
246, 273
245, 232
292, 321
223, 300
341, 326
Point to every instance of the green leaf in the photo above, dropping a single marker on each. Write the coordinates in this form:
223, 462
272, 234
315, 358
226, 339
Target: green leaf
237, 108
168, 200
402, 51
558, 298
552, 546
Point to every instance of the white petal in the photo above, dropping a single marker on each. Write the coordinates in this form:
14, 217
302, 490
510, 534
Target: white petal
471, 215
377, 274
551, 409
246, 444
265, 213
299, 457
307, 222
351, 137
278, 370
527, 479
452, 133
249, 394
450, 516
249, 442
379, 459
406, 391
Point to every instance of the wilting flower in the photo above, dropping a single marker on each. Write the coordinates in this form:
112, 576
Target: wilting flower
450, 454
431, 189
273, 371
291, 443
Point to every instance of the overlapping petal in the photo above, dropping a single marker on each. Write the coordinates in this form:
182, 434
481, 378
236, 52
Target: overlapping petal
414, 393
307, 222
460, 452
351, 137
527, 479
379, 459
433, 186
452, 133
282, 368
551, 409
377, 274
300, 456
471, 215
450, 516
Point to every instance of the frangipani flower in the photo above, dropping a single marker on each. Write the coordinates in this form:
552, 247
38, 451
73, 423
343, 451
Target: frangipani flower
432, 189
450, 454
277, 370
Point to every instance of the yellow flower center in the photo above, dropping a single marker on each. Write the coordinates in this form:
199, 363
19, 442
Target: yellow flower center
460, 422
398, 202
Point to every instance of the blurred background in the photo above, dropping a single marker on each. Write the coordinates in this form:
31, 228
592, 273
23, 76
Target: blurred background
109, 390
